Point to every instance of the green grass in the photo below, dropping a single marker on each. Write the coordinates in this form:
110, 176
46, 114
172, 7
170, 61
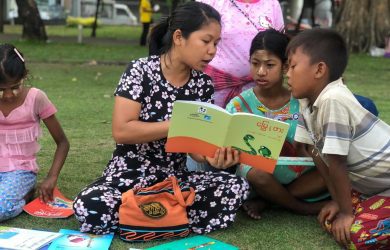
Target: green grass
82, 93
120, 32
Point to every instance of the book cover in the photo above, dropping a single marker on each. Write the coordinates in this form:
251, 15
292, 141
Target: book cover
195, 243
25, 239
72, 239
60, 207
201, 128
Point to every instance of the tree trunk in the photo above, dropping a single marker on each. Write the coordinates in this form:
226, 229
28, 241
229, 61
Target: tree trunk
2, 16
364, 23
94, 26
33, 27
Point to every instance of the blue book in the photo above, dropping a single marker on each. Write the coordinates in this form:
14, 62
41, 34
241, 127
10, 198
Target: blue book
195, 243
73, 240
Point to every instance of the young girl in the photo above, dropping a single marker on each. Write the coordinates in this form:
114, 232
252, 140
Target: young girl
180, 47
21, 110
270, 98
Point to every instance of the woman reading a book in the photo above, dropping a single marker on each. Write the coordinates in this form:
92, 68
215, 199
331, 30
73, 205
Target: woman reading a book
288, 186
180, 47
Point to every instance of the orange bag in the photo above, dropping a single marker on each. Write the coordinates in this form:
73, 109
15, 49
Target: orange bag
156, 212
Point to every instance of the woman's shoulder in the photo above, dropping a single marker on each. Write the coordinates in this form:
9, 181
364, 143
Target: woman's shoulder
196, 74
145, 63
145, 60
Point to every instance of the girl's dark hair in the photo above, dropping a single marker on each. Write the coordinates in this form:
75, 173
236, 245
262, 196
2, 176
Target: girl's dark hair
187, 18
271, 40
12, 66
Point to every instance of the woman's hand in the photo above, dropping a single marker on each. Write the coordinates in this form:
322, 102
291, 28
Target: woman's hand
224, 158
46, 188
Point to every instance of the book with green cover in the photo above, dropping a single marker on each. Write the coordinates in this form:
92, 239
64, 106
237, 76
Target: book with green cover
195, 243
201, 128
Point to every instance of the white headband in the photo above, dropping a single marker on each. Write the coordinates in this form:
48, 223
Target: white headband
19, 55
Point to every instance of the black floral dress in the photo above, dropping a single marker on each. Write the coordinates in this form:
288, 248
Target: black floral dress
218, 195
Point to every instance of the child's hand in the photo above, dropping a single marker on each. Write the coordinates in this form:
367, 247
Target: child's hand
46, 188
327, 214
341, 228
224, 158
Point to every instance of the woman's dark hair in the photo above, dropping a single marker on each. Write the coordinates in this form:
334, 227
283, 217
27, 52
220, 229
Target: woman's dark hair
271, 40
187, 18
12, 67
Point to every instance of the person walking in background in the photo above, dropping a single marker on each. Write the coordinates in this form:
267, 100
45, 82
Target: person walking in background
145, 16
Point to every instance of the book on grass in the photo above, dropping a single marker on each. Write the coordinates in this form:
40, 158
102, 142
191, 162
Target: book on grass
72, 239
195, 243
60, 207
201, 128
25, 239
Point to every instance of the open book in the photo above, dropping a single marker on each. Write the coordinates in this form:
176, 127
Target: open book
76, 240
60, 207
25, 239
201, 128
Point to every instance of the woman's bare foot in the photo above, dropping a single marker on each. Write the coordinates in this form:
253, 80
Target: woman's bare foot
254, 208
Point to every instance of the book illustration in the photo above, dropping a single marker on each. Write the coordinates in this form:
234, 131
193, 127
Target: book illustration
60, 207
25, 239
263, 150
72, 239
195, 243
202, 128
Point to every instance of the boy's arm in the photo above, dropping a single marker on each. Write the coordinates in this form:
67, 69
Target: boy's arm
338, 183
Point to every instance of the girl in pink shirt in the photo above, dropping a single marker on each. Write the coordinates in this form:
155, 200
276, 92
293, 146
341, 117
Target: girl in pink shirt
21, 110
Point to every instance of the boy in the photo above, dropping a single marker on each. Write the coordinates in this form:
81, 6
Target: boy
350, 146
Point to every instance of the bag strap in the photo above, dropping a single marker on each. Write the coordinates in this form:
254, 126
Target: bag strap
245, 14
179, 195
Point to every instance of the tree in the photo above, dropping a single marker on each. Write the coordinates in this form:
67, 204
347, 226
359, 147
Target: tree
33, 27
2, 8
364, 23
94, 26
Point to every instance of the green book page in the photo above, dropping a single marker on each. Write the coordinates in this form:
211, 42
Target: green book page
199, 120
256, 135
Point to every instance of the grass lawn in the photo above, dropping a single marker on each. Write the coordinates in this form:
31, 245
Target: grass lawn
82, 92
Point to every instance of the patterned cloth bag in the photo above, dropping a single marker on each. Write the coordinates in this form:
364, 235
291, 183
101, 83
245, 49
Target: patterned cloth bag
156, 212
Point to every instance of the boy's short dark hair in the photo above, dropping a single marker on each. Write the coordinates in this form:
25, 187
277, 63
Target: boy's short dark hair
322, 45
